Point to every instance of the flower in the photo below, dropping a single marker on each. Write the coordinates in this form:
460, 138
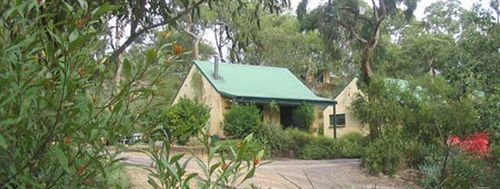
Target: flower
178, 49
256, 161
476, 143
453, 140
67, 140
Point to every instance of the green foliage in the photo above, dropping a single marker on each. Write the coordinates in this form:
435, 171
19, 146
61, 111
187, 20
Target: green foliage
185, 119
321, 130
494, 179
413, 152
170, 171
424, 107
352, 145
277, 42
298, 138
59, 103
460, 170
307, 146
356, 138
275, 140
312, 151
118, 177
382, 108
303, 117
383, 155
252, 148
241, 120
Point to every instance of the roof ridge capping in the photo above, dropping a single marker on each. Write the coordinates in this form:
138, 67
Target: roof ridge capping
237, 64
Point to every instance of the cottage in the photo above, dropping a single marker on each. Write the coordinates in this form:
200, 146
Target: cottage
220, 84
346, 122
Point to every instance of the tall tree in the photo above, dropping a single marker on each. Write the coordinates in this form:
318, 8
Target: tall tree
360, 22
443, 17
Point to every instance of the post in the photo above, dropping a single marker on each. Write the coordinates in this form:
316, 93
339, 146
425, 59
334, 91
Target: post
216, 67
334, 119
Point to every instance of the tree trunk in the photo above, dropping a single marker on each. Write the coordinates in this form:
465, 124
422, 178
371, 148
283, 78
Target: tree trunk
119, 65
365, 64
196, 49
196, 45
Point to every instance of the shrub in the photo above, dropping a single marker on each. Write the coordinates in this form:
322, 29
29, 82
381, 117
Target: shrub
494, 179
462, 170
413, 152
356, 138
308, 146
303, 117
242, 120
318, 148
252, 147
314, 151
298, 138
348, 149
321, 130
185, 119
383, 155
276, 141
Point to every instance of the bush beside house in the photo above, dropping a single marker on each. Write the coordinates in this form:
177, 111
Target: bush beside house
303, 117
241, 120
185, 119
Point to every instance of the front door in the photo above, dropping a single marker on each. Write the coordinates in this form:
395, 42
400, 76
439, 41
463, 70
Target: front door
286, 115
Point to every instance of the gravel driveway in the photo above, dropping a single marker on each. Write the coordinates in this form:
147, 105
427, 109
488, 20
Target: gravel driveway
338, 173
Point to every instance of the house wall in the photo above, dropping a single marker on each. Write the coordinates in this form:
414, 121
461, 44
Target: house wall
318, 119
270, 116
196, 86
344, 102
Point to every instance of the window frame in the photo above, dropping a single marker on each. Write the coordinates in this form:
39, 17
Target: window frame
338, 125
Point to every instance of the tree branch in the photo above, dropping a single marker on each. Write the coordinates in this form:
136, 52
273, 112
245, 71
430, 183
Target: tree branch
143, 30
191, 34
352, 11
382, 6
375, 14
356, 35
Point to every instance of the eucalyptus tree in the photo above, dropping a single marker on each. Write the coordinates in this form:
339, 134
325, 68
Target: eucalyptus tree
358, 21
443, 17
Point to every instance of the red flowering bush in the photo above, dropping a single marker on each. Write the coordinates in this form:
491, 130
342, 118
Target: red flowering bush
474, 144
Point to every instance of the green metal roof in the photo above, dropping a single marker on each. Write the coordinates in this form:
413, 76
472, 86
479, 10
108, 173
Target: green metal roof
258, 83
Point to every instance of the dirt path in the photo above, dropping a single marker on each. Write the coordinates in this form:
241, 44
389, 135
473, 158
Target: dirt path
339, 173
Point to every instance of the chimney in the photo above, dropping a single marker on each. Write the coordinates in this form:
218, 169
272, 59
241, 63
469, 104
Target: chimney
216, 68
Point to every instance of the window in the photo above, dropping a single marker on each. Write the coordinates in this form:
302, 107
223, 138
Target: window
340, 120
